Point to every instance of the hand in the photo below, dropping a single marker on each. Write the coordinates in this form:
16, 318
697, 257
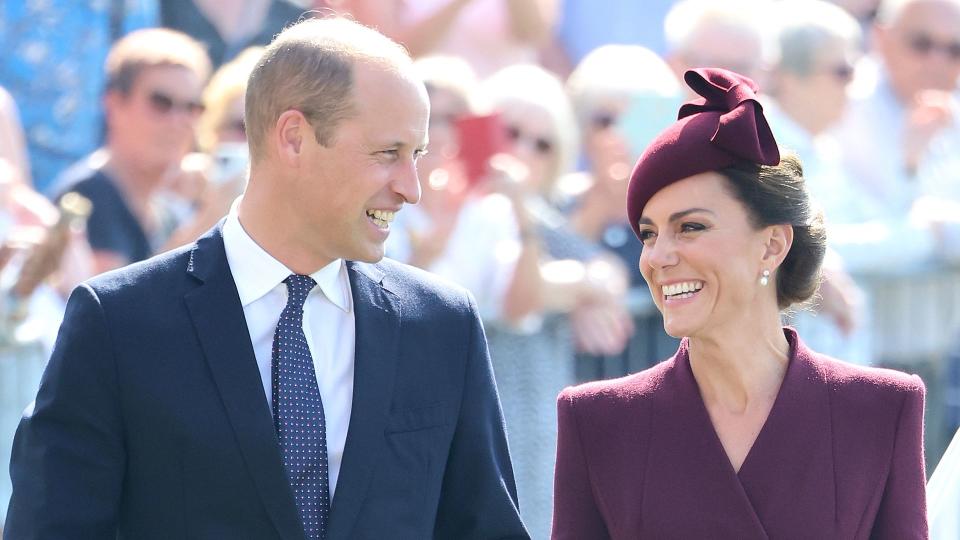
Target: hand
930, 112
601, 329
841, 299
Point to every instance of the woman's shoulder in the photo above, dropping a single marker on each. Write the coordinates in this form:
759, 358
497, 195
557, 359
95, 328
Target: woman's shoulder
865, 388
613, 393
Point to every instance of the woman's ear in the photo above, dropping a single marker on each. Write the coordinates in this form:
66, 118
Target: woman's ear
777, 242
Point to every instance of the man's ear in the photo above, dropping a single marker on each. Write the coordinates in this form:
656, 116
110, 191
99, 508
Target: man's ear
289, 135
777, 242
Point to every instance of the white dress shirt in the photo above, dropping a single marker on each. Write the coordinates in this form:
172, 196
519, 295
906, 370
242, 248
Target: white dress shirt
328, 324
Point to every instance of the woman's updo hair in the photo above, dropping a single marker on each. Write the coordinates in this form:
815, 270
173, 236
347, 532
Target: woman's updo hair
774, 195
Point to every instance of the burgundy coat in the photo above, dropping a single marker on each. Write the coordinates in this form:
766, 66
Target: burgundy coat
839, 457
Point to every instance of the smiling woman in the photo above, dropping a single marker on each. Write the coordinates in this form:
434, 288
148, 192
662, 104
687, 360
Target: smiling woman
745, 432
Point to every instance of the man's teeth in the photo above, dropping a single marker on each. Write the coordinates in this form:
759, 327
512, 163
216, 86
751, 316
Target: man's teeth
381, 217
682, 290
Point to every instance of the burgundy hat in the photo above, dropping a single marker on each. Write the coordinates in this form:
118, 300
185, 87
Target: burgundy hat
722, 128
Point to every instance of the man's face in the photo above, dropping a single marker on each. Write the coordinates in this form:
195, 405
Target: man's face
345, 194
823, 89
921, 48
155, 121
724, 47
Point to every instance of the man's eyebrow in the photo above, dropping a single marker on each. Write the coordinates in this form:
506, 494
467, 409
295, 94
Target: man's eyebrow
677, 215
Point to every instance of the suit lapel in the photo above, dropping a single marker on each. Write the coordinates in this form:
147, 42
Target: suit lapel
217, 315
377, 315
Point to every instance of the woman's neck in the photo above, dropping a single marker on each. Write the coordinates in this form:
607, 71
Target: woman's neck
740, 366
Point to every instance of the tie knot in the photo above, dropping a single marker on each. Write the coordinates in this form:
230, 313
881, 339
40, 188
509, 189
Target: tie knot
298, 287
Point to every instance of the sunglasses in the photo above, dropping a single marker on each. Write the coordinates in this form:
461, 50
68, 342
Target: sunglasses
923, 44
237, 125
841, 72
542, 145
603, 121
164, 104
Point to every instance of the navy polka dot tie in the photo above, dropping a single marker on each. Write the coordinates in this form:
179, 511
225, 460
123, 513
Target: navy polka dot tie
298, 412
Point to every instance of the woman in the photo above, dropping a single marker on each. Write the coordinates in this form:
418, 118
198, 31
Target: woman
745, 433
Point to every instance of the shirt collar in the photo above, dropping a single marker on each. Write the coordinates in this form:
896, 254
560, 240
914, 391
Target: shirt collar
256, 272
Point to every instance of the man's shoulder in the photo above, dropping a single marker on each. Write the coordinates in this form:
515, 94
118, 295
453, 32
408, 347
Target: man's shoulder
154, 275
417, 285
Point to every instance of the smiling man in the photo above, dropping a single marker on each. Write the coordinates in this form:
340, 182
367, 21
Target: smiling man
277, 379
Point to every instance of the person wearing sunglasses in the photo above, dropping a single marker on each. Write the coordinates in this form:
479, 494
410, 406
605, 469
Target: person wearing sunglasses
819, 43
152, 102
619, 110
906, 125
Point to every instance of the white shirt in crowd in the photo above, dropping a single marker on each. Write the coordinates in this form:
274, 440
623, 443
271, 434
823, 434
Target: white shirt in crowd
328, 324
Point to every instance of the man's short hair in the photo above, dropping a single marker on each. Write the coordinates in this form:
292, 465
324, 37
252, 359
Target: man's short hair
153, 47
309, 67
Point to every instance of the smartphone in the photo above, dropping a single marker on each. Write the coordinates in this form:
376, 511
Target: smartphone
480, 137
229, 160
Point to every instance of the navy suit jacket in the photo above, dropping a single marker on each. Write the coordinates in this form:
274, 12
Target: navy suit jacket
151, 421
839, 457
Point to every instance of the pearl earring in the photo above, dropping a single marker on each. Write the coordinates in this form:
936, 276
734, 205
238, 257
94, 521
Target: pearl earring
765, 278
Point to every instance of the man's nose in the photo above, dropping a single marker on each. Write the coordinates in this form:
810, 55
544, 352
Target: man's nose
407, 183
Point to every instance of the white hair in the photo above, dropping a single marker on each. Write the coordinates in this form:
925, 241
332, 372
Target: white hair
687, 19
618, 71
807, 26
533, 86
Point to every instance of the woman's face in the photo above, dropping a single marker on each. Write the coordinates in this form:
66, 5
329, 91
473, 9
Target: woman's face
606, 146
702, 258
532, 140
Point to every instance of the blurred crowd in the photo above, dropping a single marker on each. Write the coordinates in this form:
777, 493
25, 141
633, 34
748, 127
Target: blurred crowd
122, 135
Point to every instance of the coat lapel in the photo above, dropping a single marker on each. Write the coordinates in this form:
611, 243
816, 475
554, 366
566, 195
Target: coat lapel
377, 315
687, 468
789, 473
217, 315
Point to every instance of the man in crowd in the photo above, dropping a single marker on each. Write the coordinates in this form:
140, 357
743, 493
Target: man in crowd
273, 379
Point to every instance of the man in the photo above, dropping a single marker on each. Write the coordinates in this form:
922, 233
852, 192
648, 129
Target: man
53, 66
901, 140
152, 101
217, 392
729, 35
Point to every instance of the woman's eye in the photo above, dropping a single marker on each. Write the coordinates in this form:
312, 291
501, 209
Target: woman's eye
647, 235
692, 227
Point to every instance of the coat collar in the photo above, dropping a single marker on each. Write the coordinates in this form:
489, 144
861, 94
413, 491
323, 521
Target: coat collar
789, 464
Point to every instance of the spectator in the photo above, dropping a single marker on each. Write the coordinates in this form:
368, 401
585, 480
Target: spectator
565, 294
619, 111
912, 106
489, 34
586, 25
12, 143
213, 178
227, 27
731, 35
819, 44
53, 66
154, 82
